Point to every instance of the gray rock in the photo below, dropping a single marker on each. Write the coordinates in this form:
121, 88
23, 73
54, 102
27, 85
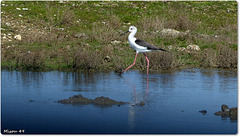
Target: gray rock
192, 48
79, 35
115, 42
18, 37
170, 32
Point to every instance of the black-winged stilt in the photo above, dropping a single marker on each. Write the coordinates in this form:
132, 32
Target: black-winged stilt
140, 46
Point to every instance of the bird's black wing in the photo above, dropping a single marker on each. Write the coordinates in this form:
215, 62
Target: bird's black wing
145, 44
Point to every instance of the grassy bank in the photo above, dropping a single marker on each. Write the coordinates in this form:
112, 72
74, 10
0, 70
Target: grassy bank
85, 35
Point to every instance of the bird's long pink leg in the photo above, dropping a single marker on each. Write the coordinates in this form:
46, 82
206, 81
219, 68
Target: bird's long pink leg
147, 62
132, 64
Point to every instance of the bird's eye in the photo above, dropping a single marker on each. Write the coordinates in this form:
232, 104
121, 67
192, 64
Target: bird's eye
131, 28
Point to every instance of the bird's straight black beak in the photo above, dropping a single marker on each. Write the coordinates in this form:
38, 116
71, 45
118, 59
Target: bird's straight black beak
124, 33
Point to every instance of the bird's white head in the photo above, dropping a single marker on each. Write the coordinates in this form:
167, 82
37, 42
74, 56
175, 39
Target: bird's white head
132, 28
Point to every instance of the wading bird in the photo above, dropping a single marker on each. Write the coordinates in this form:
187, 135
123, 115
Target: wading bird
140, 46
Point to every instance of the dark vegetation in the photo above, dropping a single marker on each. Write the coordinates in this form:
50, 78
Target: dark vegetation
85, 35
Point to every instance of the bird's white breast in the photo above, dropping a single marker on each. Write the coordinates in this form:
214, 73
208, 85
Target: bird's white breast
134, 45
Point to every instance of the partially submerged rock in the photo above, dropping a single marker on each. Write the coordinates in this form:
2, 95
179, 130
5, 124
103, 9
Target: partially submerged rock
101, 101
106, 101
76, 99
138, 104
227, 112
204, 112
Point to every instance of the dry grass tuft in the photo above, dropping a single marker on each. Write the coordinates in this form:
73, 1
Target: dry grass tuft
30, 60
105, 34
227, 58
208, 58
160, 60
86, 60
151, 23
182, 22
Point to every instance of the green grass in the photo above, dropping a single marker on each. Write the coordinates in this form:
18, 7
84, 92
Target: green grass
217, 20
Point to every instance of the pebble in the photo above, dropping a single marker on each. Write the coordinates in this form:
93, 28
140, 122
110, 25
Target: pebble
24, 8
79, 35
18, 9
108, 59
115, 42
8, 24
18, 37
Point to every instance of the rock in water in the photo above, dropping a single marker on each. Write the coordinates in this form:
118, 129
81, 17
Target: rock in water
226, 112
76, 99
233, 111
203, 112
224, 108
105, 101
141, 103
101, 101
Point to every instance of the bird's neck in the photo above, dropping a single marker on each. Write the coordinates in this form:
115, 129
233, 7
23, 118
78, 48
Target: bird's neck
132, 34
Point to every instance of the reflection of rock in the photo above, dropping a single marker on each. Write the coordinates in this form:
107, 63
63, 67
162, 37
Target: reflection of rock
226, 112
101, 101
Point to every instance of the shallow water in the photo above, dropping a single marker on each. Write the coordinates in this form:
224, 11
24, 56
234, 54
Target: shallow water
172, 102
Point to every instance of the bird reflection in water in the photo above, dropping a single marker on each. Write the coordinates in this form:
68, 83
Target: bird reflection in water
136, 103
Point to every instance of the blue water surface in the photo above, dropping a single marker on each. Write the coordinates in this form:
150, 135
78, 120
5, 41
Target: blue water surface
172, 102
